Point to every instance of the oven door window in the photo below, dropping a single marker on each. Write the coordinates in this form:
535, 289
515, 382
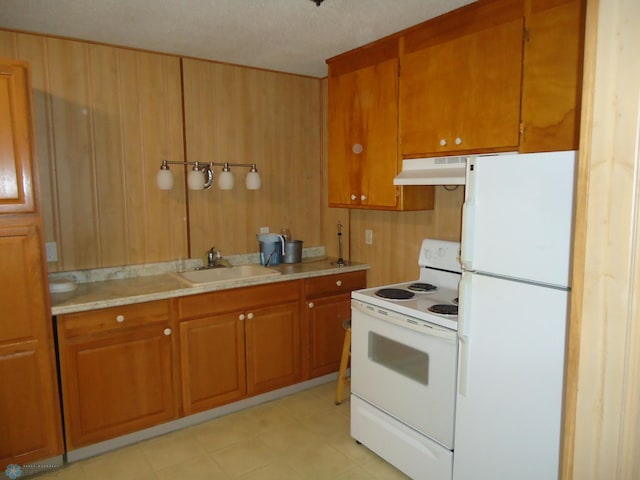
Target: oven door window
400, 358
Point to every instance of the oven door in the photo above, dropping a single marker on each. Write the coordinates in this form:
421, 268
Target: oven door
405, 367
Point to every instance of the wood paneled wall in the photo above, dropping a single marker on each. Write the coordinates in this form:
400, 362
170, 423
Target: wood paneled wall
602, 418
106, 117
245, 115
397, 236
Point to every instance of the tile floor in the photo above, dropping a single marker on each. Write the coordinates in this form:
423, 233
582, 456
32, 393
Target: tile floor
301, 436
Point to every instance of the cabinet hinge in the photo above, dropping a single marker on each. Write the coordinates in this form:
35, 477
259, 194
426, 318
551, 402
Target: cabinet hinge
521, 133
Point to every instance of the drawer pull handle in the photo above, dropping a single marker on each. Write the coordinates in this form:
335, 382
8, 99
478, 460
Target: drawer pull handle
311, 305
250, 316
120, 318
443, 142
353, 196
339, 283
241, 317
167, 331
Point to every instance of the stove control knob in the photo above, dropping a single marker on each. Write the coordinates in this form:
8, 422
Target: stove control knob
427, 253
441, 252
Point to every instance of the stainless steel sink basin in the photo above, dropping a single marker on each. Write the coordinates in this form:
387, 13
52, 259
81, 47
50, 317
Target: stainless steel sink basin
227, 274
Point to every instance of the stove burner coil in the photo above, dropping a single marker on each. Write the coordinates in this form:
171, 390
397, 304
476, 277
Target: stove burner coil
422, 287
444, 309
394, 293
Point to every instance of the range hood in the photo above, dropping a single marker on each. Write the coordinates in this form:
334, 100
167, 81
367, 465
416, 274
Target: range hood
432, 171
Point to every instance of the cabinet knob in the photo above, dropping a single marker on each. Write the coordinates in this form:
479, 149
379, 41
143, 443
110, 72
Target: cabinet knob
250, 316
241, 317
120, 318
443, 142
458, 140
311, 305
167, 331
339, 283
363, 197
357, 148
353, 197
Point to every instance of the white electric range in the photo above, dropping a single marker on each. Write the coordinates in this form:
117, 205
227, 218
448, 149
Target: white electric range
404, 355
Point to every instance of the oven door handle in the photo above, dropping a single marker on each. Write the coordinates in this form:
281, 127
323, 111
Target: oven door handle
405, 322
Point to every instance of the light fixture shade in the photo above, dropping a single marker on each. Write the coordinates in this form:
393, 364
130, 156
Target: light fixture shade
164, 179
195, 180
253, 180
225, 180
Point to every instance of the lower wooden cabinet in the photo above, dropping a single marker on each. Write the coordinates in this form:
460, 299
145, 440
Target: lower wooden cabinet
212, 361
237, 343
135, 366
116, 368
30, 426
328, 305
273, 347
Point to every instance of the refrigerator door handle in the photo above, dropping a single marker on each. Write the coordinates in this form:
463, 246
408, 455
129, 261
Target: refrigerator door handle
468, 218
466, 244
463, 331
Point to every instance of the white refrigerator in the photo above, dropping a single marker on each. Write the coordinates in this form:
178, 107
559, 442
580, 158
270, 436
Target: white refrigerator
514, 296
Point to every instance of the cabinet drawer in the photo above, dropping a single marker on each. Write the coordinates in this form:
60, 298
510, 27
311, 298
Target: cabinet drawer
335, 284
107, 319
238, 299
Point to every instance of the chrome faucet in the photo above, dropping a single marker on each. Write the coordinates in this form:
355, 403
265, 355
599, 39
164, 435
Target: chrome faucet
213, 258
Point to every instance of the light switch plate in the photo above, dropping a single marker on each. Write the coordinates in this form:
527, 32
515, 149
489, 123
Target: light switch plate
368, 236
52, 251
264, 229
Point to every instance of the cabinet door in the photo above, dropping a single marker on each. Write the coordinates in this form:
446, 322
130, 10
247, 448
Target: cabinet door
463, 94
16, 162
212, 361
363, 127
551, 83
273, 347
116, 384
326, 316
29, 409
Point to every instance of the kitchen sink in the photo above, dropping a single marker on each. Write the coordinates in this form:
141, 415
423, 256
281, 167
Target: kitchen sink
225, 274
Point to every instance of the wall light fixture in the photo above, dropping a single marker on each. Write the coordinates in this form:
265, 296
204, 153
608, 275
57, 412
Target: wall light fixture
200, 176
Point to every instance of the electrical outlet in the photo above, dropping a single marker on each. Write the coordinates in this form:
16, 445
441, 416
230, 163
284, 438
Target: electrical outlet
368, 236
264, 229
52, 251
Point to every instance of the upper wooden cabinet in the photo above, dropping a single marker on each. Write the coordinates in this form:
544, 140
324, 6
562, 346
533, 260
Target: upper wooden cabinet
552, 73
363, 125
460, 81
493, 76
16, 160
363, 132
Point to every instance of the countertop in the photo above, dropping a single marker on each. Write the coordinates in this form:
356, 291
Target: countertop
111, 293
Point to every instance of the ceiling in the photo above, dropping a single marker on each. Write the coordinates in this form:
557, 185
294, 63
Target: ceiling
293, 36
